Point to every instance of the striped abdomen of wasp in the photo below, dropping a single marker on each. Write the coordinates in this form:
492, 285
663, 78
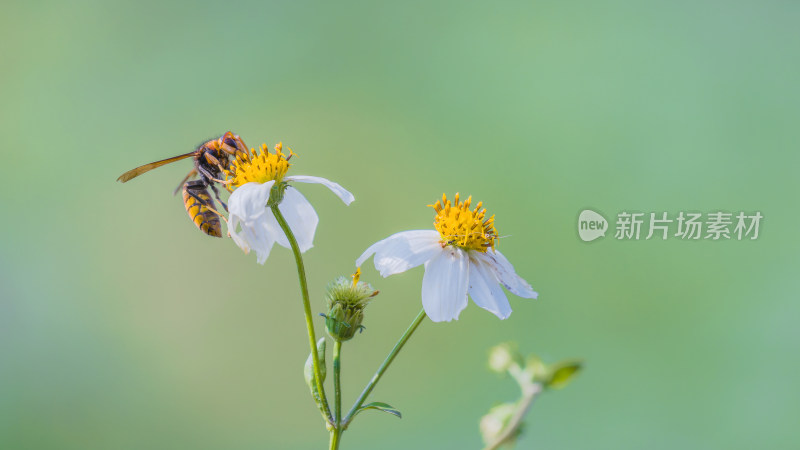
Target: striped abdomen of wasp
197, 200
210, 160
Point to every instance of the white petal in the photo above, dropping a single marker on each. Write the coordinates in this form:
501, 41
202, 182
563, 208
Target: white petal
444, 285
255, 235
237, 238
402, 251
484, 288
504, 272
336, 188
250, 200
301, 218
248, 209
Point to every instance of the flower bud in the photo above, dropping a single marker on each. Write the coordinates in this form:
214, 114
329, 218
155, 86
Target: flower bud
494, 423
342, 322
346, 301
503, 356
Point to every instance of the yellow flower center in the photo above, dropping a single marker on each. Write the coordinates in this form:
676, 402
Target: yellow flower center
259, 167
462, 227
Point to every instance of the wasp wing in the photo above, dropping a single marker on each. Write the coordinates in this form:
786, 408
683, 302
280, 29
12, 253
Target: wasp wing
148, 167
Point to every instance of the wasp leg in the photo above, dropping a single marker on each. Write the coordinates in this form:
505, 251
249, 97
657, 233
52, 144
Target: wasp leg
203, 171
211, 159
216, 194
199, 186
212, 209
200, 206
188, 177
195, 189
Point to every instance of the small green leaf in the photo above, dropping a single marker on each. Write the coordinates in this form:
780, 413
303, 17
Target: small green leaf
308, 371
562, 373
380, 406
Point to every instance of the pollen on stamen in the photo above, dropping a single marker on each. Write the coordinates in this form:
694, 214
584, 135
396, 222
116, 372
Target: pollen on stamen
258, 166
460, 226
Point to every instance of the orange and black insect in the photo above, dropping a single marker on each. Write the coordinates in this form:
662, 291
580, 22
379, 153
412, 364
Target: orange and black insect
210, 160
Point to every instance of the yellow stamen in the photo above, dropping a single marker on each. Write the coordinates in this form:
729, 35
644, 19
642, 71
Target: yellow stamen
259, 166
462, 227
356, 276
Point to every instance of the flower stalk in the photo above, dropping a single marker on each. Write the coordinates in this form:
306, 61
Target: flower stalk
337, 395
336, 435
337, 385
385, 365
312, 339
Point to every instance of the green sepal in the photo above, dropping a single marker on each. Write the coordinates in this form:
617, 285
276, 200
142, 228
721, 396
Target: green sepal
308, 372
380, 406
276, 194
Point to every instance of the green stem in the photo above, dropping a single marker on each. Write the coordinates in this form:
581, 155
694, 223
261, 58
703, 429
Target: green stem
375, 378
337, 385
312, 339
336, 434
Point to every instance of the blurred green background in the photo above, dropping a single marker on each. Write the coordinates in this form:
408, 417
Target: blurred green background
123, 327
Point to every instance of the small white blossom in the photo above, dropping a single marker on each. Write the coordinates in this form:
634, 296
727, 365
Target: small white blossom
255, 176
456, 262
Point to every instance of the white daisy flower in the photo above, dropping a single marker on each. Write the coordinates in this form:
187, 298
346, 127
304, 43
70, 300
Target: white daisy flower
459, 258
255, 178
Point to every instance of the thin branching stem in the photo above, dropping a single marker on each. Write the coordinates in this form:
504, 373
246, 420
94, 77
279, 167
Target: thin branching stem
312, 339
529, 394
375, 378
